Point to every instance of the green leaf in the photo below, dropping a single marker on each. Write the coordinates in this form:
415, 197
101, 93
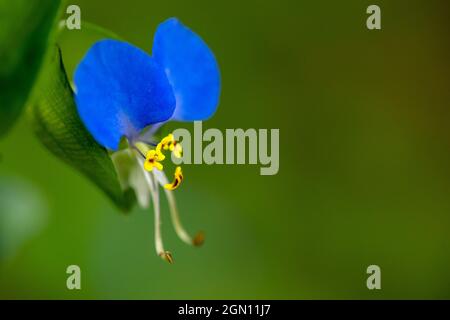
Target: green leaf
56, 122
26, 26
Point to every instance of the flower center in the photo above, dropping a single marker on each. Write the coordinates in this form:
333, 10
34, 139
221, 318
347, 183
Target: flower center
154, 157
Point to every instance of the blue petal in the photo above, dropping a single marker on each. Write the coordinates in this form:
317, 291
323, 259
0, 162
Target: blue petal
191, 68
120, 91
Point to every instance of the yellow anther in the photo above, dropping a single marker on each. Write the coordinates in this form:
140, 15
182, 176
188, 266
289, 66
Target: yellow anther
169, 143
166, 142
177, 149
153, 159
177, 180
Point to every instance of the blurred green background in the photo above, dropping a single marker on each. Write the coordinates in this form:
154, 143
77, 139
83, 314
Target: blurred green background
364, 165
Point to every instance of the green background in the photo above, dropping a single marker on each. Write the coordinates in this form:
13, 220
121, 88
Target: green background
364, 165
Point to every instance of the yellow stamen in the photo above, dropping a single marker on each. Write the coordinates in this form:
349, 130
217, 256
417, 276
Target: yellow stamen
169, 143
152, 159
177, 149
166, 142
178, 178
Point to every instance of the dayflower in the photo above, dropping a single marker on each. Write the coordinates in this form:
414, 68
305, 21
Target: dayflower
124, 94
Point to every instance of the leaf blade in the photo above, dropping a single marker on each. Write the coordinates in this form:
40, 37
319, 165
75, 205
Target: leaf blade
57, 124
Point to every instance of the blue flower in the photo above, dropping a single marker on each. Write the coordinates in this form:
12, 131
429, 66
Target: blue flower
122, 90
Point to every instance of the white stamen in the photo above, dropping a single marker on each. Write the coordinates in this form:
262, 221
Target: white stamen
166, 255
176, 221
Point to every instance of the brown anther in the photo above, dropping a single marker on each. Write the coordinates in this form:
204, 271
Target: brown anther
167, 256
199, 239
